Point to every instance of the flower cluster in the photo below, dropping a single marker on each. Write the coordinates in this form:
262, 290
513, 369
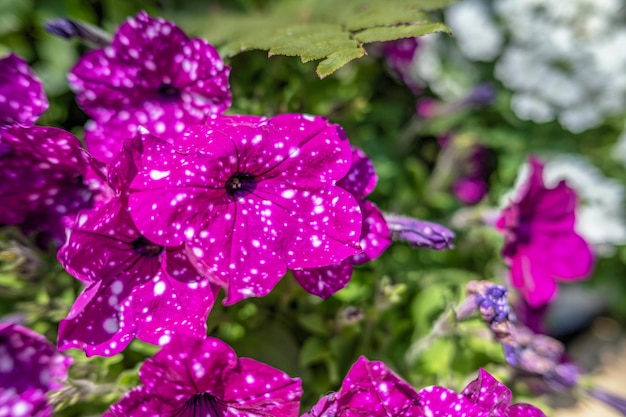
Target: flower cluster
30, 367
541, 244
192, 200
372, 389
42, 167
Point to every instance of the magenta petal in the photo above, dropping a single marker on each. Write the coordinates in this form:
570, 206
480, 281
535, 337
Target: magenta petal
489, 393
375, 235
571, 257
22, 97
361, 180
326, 280
442, 402
371, 388
531, 275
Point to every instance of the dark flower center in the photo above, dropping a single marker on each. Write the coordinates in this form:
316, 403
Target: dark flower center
240, 185
144, 247
200, 405
168, 91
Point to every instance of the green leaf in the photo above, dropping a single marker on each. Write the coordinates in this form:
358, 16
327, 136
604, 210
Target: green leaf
327, 30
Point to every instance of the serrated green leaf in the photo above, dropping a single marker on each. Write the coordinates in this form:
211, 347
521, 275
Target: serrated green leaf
325, 30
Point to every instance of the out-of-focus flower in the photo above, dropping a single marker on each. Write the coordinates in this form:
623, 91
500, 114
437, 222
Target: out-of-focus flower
399, 56
564, 62
475, 30
372, 389
541, 245
419, 233
251, 197
152, 75
22, 98
204, 377
480, 96
136, 288
30, 367
375, 237
42, 167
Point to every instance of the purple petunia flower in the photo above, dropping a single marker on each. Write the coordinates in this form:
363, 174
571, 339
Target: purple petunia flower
136, 288
43, 169
30, 367
153, 75
375, 238
483, 397
370, 389
193, 377
251, 197
22, 98
399, 56
541, 244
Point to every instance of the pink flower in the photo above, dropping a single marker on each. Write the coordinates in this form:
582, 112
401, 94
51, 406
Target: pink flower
203, 377
541, 245
30, 368
375, 237
153, 75
251, 197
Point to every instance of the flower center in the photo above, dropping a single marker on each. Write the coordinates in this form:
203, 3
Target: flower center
168, 91
200, 405
144, 247
240, 184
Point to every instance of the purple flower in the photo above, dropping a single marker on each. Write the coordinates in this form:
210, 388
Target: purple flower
42, 188
541, 244
135, 287
399, 56
419, 233
375, 238
193, 377
370, 389
22, 98
483, 397
30, 367
251, 197
153, 75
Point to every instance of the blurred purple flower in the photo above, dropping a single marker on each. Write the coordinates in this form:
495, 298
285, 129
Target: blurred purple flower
482, 95
22, 97
252, 197
419, 233
42, 188
399, 56
483, 397
136, 288
375, 238
30, 367
370, 389
42, 167
153, 75
541, 244
193, 377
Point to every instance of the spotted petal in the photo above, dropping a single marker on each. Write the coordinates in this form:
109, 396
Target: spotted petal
22, 98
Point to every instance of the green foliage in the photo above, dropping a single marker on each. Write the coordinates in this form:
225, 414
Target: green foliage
332, 31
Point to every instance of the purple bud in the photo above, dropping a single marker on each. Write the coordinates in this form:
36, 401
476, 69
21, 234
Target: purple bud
419, 233
482, 95
612, 400
68, 29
